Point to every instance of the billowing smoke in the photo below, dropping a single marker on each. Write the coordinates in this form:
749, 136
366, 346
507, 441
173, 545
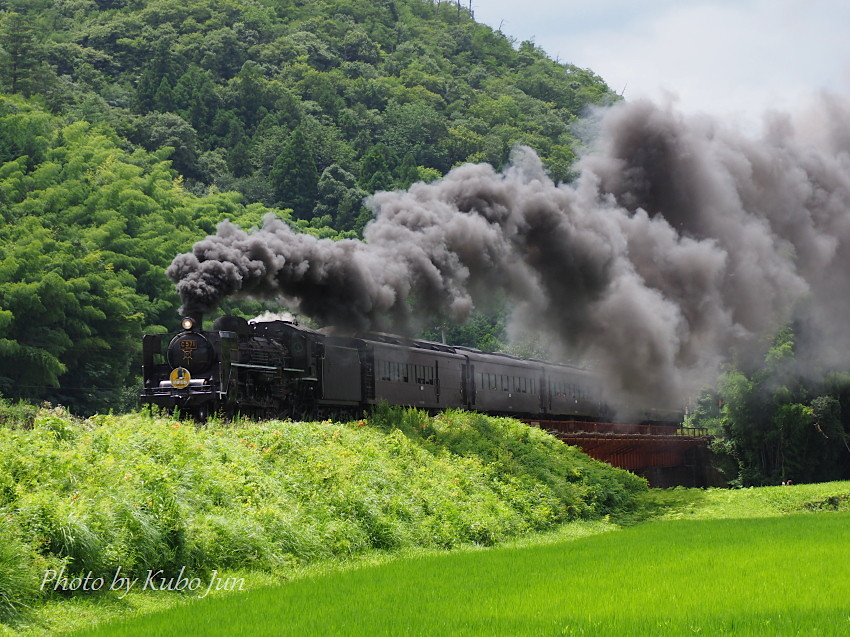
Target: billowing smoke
682, 243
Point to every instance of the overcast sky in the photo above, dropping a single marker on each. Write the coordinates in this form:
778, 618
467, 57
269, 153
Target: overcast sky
717, 56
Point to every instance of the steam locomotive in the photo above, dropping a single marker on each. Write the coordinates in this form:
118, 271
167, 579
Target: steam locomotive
280, 369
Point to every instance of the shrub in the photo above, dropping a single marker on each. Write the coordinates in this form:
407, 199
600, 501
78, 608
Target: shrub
18, 415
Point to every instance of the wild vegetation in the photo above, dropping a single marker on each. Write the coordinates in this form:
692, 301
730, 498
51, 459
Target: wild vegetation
264, 503
143, 493
87, 229
773, 423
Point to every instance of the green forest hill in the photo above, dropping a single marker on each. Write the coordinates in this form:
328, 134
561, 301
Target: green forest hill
130, 128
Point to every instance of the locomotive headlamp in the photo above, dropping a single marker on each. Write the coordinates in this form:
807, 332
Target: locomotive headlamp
188, 323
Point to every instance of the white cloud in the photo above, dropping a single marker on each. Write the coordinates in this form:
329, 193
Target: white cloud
717, 56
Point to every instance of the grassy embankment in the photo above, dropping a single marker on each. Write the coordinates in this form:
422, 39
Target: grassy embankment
263, 503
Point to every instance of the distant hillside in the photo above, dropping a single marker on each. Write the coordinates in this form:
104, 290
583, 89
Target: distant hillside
300, 104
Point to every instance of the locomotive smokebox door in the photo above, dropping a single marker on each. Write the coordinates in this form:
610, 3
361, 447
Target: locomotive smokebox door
192, 351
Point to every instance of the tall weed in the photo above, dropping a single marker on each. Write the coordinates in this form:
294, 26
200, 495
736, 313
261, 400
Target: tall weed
17, 577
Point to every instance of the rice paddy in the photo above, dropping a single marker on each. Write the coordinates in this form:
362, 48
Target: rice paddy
762, 576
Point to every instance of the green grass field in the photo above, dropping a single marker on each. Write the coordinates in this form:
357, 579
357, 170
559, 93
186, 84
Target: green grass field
762, 576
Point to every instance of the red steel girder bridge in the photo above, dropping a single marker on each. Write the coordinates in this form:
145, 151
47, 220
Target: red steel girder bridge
638, 448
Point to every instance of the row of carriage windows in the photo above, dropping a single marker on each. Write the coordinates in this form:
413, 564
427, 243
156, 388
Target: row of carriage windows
405, 372
501, 382
563, 389
522, 385
424, 375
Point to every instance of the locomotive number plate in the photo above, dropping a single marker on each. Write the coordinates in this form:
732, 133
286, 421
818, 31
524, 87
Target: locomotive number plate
180, 377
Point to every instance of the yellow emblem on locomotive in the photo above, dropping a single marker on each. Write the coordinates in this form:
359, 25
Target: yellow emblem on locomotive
180, 377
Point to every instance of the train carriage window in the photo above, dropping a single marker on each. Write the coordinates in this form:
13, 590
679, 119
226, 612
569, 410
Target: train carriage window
399, 372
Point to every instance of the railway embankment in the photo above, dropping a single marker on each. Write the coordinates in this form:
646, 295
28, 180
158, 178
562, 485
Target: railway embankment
107, 515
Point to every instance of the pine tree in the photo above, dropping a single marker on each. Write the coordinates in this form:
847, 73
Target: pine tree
18, 55
294, 176
376, 169
163, 99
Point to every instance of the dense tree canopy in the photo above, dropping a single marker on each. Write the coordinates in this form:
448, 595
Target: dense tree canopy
87, 230
227, 84
775, 423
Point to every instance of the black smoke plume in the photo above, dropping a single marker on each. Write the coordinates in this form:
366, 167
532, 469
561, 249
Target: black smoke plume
683, 242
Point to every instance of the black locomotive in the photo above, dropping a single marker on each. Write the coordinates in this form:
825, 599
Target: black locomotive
279, 369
